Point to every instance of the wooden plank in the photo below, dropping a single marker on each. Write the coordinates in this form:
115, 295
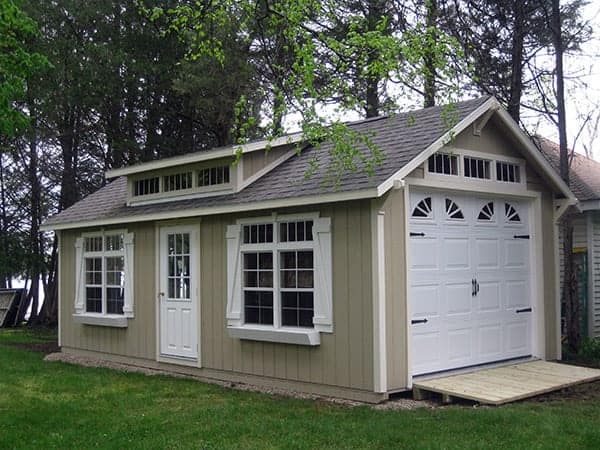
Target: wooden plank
509, 383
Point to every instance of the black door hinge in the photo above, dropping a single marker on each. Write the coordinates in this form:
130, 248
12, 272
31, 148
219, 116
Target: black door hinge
418, 321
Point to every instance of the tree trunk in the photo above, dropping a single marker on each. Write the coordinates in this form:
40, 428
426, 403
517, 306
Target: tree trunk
516, 75
376, 10
5, 280
429, 72
34, 231
572, 307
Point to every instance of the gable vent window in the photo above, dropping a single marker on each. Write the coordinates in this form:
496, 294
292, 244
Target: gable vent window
477, 168
177, 182
212, 176
146, 186
508, 172
443, 163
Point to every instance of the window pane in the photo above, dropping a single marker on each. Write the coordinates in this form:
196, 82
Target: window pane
258, 307
288, 260
305, 279
93, 244
93, 299
114, 300
266, 260
265, 278
250, 279
114, 271
250, 260
114, 242
93, 270
305, 260
297, 309
288, 279
283, 232
309, 228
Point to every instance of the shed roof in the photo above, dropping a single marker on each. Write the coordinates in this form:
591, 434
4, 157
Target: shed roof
402, 138
584, 176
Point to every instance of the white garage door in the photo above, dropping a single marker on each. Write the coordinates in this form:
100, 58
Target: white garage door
469, 281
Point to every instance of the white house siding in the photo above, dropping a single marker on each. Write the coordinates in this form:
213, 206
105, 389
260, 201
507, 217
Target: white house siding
595, 255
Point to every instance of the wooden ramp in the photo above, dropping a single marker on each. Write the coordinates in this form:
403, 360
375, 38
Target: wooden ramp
499, 385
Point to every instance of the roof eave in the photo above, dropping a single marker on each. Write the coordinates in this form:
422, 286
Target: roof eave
207, 155
213, 210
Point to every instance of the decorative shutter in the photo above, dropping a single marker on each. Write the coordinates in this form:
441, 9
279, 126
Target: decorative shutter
323, 318
128, 261
234, 288
79, 277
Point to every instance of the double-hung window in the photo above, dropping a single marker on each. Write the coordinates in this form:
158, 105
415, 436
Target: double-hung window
284, 277
104, 277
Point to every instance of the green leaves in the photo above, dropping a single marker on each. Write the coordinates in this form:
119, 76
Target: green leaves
17, 65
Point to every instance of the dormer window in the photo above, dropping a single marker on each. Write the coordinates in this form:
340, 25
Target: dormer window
211, 176
207, 178
177, 182
146, 186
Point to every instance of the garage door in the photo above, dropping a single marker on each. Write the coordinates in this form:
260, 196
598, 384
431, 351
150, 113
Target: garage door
469, 281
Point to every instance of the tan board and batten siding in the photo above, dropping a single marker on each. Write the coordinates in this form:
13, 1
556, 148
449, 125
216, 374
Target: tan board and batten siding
344, 359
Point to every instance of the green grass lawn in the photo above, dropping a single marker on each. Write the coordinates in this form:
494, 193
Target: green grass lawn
56, 405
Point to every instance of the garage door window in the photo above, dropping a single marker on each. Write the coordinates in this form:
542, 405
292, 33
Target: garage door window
486, 214
511, 213
453, 211
423, 209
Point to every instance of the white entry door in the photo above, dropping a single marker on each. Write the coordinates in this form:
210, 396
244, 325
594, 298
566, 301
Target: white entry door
469, 281
178, 295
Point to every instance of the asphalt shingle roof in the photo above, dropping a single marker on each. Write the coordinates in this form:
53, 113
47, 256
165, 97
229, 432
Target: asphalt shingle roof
401, 138
584, 175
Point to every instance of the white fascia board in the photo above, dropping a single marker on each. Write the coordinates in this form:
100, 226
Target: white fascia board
222, 152
589, 205
435, 146
213, 210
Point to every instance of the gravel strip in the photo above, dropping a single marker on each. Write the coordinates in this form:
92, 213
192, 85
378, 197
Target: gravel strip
395, 404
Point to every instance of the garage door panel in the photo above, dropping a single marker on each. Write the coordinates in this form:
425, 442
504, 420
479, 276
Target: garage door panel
488, 299
517, 293
517, 333
460, 345
424, 254
456, 253
487, 253
458, 298
490, 341
426, 350
516, 252
426, 300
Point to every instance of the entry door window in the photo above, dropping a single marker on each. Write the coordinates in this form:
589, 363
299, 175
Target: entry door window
179, 266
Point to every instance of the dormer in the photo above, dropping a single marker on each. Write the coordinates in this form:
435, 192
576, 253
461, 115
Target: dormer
205, 173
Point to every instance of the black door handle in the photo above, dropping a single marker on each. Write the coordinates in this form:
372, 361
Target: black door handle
476, 287
522, 310
418, 321
412, 234
473, 288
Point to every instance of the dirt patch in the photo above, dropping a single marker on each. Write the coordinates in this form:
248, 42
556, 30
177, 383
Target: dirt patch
42, 347
584, 391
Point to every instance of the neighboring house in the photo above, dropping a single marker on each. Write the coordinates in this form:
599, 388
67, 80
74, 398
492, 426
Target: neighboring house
249, 272
584, 178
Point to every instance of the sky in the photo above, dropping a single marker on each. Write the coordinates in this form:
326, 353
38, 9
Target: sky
583, 94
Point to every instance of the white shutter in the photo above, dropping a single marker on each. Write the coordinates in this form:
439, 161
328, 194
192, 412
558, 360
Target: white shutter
234, 288
323, 318
79, 277
128, 261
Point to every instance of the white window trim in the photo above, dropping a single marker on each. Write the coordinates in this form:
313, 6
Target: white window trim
492, 181
103, 319
321, 246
